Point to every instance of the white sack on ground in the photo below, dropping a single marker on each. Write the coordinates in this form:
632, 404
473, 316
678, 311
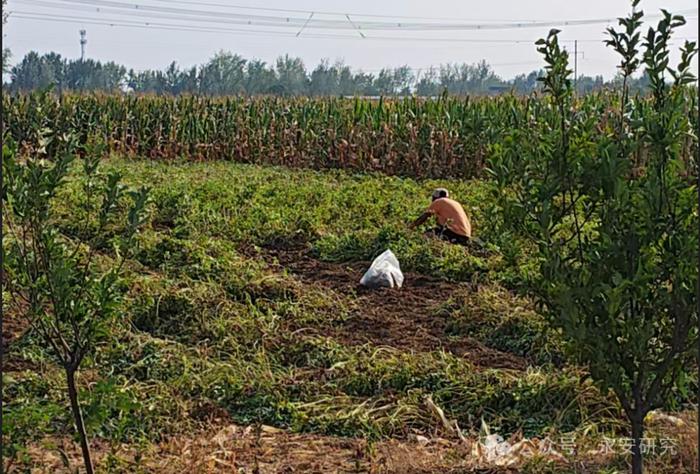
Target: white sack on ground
384, 272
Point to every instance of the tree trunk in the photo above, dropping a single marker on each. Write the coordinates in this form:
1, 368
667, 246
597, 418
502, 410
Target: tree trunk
637, 436
78, 418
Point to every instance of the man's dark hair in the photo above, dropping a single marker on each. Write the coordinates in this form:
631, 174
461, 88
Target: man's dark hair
440, 193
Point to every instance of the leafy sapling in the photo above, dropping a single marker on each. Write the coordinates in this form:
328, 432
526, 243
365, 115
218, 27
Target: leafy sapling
615, 222
54, 280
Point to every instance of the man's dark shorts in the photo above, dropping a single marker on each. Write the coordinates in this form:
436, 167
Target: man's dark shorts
446, 234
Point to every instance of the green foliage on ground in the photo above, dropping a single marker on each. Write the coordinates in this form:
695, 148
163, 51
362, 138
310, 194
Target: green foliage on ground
204, 323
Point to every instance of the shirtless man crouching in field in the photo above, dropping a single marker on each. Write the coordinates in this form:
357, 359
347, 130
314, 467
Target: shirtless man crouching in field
453, 223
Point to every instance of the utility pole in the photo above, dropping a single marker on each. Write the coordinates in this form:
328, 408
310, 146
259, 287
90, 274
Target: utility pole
83, 42
576, 67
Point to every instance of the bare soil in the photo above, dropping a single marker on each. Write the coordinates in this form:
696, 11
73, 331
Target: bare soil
411, 318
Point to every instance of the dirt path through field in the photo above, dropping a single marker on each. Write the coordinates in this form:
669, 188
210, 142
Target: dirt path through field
409, 318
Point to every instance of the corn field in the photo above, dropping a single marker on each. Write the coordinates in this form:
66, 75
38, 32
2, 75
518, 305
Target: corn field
444, 137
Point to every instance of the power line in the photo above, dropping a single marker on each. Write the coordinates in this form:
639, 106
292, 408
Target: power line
304, 26
161, 16
331, 13
145, 25
362, 35
296, 22
132, 14
257, 32
157, 25
366, 15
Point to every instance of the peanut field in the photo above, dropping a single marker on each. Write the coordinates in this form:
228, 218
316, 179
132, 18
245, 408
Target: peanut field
243, 339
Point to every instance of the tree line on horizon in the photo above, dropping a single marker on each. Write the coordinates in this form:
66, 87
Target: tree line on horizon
227, 73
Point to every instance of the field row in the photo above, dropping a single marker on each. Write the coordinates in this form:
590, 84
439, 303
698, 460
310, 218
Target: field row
448, 137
